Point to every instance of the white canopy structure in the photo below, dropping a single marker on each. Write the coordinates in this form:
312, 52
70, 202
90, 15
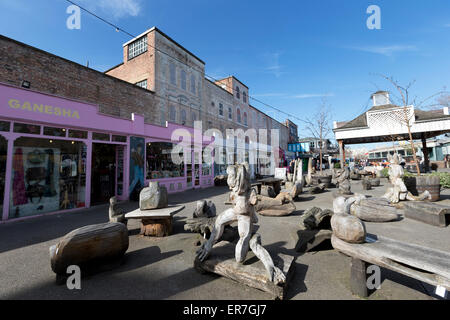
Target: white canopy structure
385, 122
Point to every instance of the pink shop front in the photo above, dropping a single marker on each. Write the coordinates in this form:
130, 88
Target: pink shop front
58, 155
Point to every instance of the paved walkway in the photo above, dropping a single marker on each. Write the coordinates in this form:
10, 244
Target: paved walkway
161, 268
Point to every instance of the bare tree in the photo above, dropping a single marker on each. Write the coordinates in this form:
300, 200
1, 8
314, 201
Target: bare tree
404, 99
320, 126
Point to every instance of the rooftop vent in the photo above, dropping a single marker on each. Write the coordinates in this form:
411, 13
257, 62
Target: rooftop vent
380, 98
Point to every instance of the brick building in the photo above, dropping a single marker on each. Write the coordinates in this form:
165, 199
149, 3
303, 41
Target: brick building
183, 94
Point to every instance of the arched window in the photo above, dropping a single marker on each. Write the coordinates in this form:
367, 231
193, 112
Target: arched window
183, 117
245, 119
238, 93
238, 112
172, 114
244, 96
183, 79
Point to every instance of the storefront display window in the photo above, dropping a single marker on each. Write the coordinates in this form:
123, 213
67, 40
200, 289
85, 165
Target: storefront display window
47, 176
27, 128
100, 136
119, 138
78, 134
57, 132
5, 126
159, 161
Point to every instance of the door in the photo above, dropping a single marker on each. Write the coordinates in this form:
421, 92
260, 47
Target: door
103, 174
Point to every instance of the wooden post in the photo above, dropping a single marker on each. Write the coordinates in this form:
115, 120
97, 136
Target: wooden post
342, 153
358, 278
426, 159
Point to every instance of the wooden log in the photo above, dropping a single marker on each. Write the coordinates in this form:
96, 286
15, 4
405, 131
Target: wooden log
222, 262
421, 263
310, 239
430, 213
358, 278
375, 210
156, 227
89, 245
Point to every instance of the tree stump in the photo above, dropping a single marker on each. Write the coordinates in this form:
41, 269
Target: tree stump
156, 227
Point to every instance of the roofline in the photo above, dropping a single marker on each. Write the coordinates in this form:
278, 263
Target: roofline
72, 62
167, 37
112, 68
219, 86
234, 79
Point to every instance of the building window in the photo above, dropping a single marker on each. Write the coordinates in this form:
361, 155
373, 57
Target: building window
238, 115
142, 84
183, 117
244, 96
230, 113
48, 175
172, 114
245, 119
183, 79
173, 74
220, 109
193, 117
238, 93
137, 47
159, 162
193, 84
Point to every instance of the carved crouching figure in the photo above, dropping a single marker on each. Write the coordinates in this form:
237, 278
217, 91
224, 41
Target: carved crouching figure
345, 226
342, 180
399, 192
243, 211
116, 213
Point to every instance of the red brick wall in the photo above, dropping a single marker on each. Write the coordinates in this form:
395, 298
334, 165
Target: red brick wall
55, 75
138, 68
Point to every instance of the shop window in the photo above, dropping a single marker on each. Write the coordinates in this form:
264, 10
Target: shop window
47, 176
78, 134
27, 128
119, 138
5, 126
57, 132
100, 136
159, 162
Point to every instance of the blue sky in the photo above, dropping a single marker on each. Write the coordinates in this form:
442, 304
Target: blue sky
289, 53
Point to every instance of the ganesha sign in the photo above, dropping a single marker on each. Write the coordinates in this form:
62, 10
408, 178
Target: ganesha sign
41, 108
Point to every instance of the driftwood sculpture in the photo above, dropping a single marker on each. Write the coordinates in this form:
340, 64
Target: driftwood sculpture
342, 180
116, 213
345, 226
243, 211
398, 192
281, 205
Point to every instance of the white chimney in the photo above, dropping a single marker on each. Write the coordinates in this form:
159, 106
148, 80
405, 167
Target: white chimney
381, 98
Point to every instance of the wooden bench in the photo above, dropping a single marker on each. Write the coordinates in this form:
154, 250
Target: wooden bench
425, 264
428, 212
